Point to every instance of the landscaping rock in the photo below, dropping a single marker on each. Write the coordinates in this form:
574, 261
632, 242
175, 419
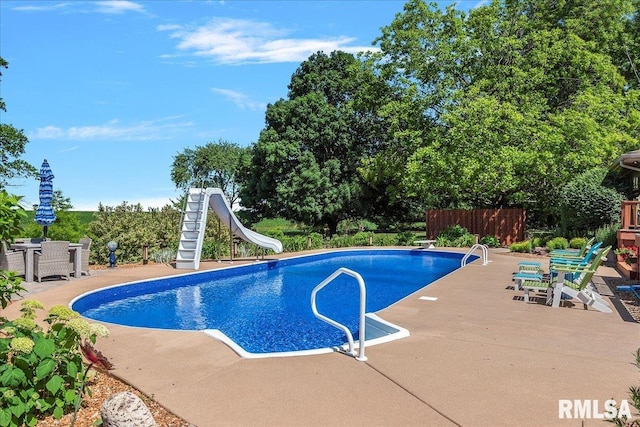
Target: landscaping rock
125, 409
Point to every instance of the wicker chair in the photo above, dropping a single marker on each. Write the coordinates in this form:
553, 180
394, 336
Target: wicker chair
51, 260
84, 265
11, 260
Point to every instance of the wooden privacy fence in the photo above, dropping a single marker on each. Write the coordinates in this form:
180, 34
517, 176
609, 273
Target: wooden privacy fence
506, 224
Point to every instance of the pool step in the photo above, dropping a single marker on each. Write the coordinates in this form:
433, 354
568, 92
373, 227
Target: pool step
378, 329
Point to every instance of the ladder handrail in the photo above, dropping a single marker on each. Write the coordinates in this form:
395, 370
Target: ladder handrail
363, 297
485, 254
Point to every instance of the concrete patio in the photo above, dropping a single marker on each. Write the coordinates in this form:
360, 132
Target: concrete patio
477, 356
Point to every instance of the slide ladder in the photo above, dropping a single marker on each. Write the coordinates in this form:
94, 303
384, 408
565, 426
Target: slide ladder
194, 221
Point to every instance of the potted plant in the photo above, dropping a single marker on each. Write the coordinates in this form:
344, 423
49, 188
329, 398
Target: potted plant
628, 254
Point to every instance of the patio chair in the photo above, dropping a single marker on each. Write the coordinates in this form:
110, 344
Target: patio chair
11, 260
86, 250
585, 292
580, 259
573, 252
51, 260
577, 283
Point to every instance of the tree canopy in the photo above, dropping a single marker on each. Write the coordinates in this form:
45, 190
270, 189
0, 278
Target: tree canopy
305, 164
212, 165
12, 143
500, 107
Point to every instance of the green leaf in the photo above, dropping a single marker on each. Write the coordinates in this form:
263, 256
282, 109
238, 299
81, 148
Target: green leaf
72, 369
58, 413
70, 396
44, 347
54, 384
31, 420
18, 408
13, 377
5, 417
45, 368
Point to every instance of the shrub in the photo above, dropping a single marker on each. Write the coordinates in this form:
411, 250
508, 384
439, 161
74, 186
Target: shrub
607, 234
405, 238
557, 243
455, 236
577, 242
42, 372
490, 241
585, 204
164, 256
522, 247
132, 228
537, 242
384, 239
11, 216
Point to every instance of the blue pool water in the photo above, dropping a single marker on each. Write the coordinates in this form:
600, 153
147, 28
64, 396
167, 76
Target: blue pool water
265, 307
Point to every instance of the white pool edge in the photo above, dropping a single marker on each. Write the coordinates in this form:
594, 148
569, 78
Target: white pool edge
399, 334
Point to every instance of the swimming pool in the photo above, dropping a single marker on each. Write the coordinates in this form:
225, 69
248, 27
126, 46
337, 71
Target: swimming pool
265, 307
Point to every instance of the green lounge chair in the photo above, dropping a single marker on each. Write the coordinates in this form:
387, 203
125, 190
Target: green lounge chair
570, 280
573, 252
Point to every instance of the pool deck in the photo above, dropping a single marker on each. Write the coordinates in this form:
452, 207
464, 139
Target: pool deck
477, 356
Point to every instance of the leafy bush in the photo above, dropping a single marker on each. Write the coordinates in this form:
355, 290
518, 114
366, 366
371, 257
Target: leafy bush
384, 239
577, 242
607, 234
42, 372
405, 238
455, 236
522, 247
557, 243
11, 216
354, 226
490, 241
585, 204
131, 228
538, 242
164, 256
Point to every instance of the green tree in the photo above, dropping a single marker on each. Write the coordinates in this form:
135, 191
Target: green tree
66, 226
304, 166
502, 106
585, 204
213, 165
12, 143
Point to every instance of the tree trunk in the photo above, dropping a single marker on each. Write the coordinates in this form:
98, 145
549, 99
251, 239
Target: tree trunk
333, 227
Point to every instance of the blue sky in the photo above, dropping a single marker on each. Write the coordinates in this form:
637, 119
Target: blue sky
110, 91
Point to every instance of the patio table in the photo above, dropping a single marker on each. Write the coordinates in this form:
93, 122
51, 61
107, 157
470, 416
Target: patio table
29, 249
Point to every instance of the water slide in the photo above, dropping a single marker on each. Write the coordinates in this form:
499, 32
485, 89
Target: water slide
218, 202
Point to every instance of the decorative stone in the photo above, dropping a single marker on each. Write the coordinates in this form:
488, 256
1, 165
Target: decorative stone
125, 409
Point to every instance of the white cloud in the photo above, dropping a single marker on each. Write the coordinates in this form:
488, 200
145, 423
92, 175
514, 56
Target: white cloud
41, 7
164, 128
240, 99
237, 41
118, 6
110, 7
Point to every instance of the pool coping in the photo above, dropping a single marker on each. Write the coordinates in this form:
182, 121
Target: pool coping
372, 320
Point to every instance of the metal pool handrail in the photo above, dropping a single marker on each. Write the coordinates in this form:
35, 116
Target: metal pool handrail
363, 299
485, 254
